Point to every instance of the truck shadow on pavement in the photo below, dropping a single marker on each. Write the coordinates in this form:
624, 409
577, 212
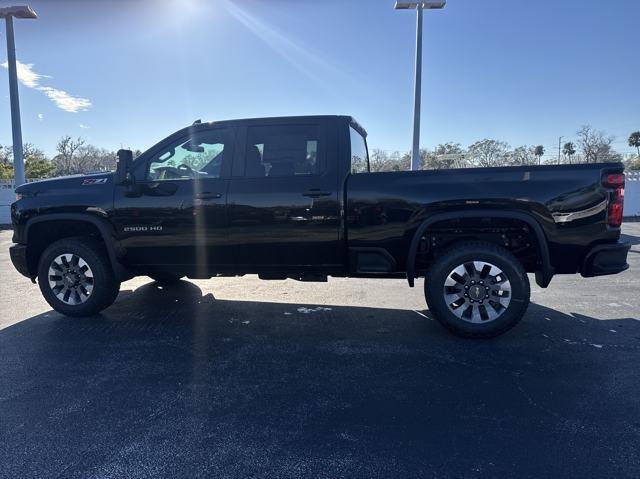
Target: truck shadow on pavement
633, 239
171, 383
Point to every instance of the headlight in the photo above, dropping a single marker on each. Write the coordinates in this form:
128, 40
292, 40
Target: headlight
19, 196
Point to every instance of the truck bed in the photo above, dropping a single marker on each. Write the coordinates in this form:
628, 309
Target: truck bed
387, 208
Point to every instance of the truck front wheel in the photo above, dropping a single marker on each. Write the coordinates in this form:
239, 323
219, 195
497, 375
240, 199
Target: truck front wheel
477, 289
76, 278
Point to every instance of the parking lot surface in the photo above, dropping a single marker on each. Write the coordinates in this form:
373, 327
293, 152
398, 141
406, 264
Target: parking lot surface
350, 378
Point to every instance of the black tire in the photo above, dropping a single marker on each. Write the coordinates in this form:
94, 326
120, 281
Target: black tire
104, 285
484, 327
166, 279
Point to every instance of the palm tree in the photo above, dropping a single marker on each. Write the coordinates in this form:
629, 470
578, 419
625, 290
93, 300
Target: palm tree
539, 151
634, 140
569, 150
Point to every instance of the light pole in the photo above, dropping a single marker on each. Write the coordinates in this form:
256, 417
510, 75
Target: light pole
8, 13
418, 6
559, 145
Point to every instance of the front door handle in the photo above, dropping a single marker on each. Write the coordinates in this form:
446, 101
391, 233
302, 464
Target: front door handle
208, 196
316, 193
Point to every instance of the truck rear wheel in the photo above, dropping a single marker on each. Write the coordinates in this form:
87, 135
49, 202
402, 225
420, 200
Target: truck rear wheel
75, 277
477, 289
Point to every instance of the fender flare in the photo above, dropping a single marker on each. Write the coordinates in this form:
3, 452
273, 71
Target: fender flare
543, 276
104, 228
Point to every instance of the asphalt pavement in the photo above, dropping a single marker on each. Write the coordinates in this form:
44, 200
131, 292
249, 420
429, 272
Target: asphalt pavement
351, 378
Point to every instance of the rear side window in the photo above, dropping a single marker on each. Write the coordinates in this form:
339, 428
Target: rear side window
288, 150
359, 155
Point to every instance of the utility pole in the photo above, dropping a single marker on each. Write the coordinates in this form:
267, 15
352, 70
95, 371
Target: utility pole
559, 143
417, 94
16, 127
18, 160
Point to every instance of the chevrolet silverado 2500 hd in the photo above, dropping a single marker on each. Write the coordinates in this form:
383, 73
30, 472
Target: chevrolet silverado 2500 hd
293, 198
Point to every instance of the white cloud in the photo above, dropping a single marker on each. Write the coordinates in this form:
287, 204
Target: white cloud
61, 98
26, 74
65, 101
83, 126
40, 116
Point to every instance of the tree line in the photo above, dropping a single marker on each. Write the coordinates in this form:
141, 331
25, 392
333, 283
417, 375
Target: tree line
75, 156
592, 146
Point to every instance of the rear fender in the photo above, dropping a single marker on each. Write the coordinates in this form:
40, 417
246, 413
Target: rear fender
543, 275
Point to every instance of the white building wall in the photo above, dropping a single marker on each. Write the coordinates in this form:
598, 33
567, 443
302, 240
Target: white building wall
7, 196
632, 194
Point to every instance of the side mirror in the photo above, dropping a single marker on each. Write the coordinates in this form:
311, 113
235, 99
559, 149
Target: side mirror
123, 167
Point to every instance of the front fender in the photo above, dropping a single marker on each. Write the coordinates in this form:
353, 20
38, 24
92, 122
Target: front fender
104, 227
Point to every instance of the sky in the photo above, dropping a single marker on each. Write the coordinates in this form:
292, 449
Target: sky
127, 73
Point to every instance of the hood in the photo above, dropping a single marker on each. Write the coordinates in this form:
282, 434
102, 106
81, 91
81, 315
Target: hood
72, 182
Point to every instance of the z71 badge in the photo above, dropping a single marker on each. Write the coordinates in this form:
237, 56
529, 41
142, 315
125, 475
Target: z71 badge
94, 181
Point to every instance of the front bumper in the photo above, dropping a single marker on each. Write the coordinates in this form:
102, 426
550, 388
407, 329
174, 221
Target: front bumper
18, 253
605, 259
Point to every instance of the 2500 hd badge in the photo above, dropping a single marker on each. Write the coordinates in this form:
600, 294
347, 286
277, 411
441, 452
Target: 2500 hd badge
141, 229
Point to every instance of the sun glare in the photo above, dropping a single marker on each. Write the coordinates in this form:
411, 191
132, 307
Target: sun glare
299, 55
183, 11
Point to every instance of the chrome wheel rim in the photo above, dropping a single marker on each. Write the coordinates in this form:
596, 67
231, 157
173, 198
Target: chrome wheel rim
477, 292
70, 279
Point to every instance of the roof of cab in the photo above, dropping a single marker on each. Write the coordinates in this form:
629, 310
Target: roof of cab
278, 119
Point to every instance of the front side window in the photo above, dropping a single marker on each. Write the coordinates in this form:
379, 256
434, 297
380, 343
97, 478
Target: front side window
197, 156
290, 150
359, 155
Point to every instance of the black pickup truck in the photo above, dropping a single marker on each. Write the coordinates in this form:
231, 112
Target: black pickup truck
293, 198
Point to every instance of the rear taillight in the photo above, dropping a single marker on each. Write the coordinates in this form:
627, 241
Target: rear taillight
615, 181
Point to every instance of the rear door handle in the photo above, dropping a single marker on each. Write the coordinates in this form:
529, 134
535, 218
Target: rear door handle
208, 196
316, 193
